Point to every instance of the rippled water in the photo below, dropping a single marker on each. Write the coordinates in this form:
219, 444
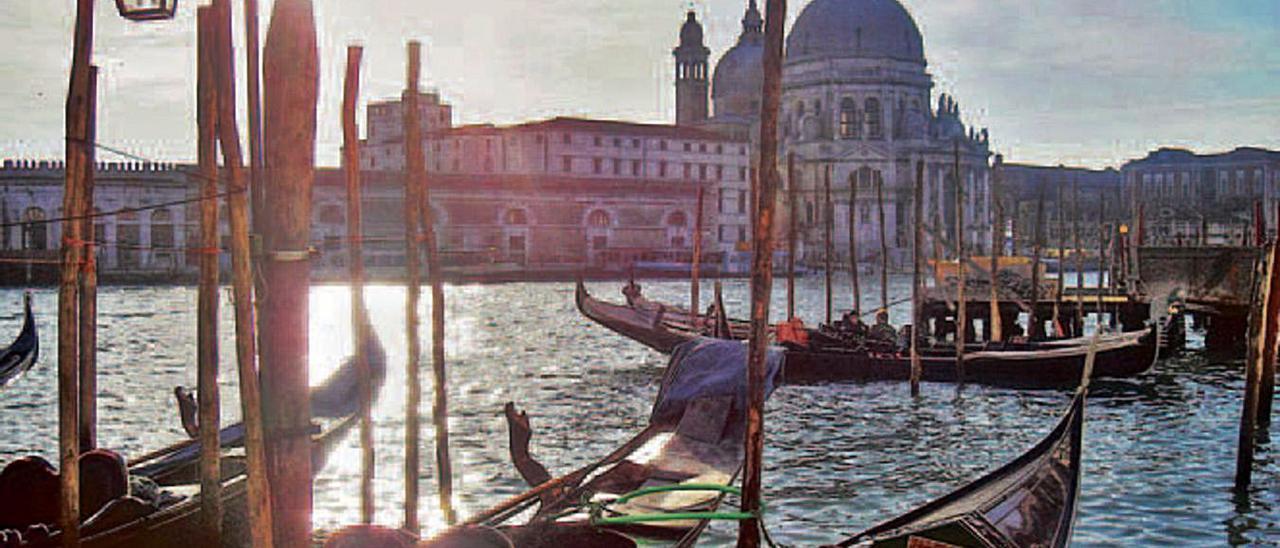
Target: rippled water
1160, 450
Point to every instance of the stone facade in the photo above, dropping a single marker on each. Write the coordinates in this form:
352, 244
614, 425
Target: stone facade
1019, 188
1189, 197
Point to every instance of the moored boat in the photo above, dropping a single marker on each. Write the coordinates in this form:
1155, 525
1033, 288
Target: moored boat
1030, 501
20, 356
1049, 364
665, 484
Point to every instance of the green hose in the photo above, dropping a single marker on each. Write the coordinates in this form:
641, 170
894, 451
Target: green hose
597, 510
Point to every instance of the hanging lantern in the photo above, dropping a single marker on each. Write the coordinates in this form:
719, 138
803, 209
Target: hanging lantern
146, 10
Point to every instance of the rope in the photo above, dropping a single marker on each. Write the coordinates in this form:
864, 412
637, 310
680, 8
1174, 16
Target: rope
597, 510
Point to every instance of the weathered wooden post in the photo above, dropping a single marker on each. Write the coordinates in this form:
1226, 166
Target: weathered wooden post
792, 196
917, 255
207, 299
853, 242
1102, 257
355, 237
88, 336
962, 319
1079, 251
254, 91
1267, 390
77, 156
1058, 331
440, 408
261, 522
415, 173
995, 331
695, 267
884, 245
762, 272
1034, 328
828, 222
89, 285
1258, 327
290, 82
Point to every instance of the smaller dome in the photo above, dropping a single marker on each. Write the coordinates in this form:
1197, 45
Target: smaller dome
691, 31
739, 75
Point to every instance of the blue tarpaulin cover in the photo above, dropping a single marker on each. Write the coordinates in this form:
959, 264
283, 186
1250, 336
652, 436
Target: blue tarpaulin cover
706, 367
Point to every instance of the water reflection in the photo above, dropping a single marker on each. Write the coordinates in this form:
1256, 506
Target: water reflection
1159, 450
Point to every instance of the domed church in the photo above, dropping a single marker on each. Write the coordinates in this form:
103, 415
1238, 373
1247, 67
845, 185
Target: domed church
857, 108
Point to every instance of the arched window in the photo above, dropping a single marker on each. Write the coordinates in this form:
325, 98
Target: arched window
331, 214
849, 119
162, 230
515, 217
677, 219
598, 218
875, 125
35, 233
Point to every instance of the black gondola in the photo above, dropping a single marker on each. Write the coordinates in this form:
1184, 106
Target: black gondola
1049, 365
663, 484
1030, 501
23, 354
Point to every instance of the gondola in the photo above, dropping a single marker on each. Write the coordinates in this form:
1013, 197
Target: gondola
172, 517
662, 485
1030, 501
22, 355
336, 397
1046, 366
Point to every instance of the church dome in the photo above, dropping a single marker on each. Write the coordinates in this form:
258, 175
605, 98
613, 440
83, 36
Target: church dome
739, 75
855, 28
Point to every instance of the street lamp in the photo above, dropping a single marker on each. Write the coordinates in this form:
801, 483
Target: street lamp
146, 10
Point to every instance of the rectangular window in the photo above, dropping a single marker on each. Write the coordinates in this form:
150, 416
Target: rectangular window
635, 143
688, 171
635, 168
702, 172
688, 147
720, 208
617, 166
702, 147
742, 174
566, 139
719, 173
617, 142
742, 233
719, 149
662, 145
742, 201
662, 168
595, 164
596, 140
566, 164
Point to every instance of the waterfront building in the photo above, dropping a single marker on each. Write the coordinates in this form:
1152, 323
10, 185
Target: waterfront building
1020, 187
1189, 197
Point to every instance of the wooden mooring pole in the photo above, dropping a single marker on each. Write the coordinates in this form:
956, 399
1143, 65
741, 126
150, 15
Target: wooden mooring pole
1267, 390
440, 407
415, 173
1102, 257
696, 263
995, 327
1079, 252
1034, 328
88, 337
854, 179
962, 319
828, 222
261, 521
355, 249
917, 256
792, 197
1264, 275
207, 294
1058, 330
77, 122
762, 272
884, 245
290, 86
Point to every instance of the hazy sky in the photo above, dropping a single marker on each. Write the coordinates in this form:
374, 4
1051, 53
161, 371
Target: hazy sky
1091, 82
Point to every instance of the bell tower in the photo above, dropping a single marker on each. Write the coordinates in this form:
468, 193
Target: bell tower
691, 73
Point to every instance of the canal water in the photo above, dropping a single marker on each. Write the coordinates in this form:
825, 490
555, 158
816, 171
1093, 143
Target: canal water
1159, 452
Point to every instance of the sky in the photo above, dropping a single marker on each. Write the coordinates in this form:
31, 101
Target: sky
1075, 82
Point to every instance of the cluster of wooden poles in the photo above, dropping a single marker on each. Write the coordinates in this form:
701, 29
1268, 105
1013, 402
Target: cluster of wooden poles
281, 150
